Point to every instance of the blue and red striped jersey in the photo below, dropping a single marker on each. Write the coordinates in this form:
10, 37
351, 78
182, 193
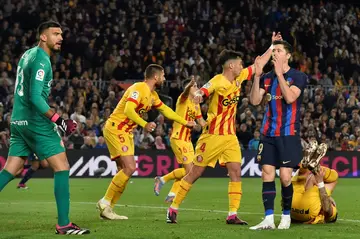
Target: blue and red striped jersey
280, 118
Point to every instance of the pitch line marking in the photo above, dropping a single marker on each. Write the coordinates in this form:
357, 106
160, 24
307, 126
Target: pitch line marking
159, 207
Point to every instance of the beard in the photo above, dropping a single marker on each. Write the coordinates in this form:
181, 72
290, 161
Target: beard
159, 84
55, 48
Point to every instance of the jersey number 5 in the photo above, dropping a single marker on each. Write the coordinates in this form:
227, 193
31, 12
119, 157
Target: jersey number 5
19, 87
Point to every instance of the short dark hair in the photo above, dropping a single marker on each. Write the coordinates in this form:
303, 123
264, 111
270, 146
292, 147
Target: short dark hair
46, 25
288, 48
152, 69
226, 55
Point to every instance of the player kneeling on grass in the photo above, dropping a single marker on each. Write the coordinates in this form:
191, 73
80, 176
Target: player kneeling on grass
137, 100
313, 186
34, 165
180, 140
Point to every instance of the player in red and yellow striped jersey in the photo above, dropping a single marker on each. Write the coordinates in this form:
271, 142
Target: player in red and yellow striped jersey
218, 140
138, 99
180, 140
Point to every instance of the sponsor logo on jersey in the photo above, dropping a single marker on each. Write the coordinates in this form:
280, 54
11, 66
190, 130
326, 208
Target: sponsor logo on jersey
20, 122
227, 102
270, 97
40, 75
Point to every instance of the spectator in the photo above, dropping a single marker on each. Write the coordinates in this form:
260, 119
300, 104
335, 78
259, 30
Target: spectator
254, 143
159, 144
101, 143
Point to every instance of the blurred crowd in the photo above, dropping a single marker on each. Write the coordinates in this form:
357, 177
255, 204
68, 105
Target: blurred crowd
109, 42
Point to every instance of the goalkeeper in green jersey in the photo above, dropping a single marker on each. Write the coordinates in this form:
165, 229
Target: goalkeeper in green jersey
34, 126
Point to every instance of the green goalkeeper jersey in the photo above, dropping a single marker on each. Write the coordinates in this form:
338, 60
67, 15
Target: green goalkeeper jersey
33, 83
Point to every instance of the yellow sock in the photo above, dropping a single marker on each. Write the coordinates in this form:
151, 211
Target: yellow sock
184, 188
117, 196
235, 192
178, 173
175, 187
116, 187
330, 175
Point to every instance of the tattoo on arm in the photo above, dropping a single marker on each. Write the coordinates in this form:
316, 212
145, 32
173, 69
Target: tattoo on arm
325, 201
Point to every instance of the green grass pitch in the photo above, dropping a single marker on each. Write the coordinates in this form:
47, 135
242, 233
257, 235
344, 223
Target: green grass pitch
32, 213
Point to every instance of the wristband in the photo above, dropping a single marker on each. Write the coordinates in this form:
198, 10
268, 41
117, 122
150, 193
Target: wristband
55, 117
271, 47
321, 185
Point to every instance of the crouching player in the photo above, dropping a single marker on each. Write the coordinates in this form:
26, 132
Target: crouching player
313, 186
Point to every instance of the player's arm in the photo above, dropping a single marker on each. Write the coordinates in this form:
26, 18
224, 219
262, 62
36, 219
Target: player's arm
324, 197
199, 119
130, 112
291, 93
171, 115
257, 92
186, 91
205, 91
264, 58
38, 72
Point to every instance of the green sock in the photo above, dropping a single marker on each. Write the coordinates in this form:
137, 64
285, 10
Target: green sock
62, 196
5, 178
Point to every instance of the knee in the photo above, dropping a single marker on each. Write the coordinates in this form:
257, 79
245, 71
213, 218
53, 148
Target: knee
285, 180
234, 173
129, 169
268, 174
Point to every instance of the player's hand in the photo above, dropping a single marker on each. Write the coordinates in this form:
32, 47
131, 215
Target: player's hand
197, 128
190, 124
150, 127
276, 37
258, 67
198, 98
278, 65
67, 126
192, 81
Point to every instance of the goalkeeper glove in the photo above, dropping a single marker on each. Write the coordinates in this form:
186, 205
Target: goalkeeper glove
67, 126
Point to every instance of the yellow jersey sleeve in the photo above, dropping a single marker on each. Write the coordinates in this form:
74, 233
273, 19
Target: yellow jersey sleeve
210, 87
156, 100
245, 74
136, 92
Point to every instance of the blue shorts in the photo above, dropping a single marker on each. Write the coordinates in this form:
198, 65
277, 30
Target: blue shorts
281, 151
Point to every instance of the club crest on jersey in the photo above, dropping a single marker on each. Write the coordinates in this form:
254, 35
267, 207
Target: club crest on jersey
124, 148
184, 158
40, 74
135, 95
268, 97
199, 158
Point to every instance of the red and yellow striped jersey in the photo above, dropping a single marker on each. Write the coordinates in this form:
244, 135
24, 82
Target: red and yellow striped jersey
223, 102
140, 94
189, 111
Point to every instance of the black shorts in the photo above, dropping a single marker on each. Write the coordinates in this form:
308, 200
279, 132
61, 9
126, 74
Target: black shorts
281, 151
